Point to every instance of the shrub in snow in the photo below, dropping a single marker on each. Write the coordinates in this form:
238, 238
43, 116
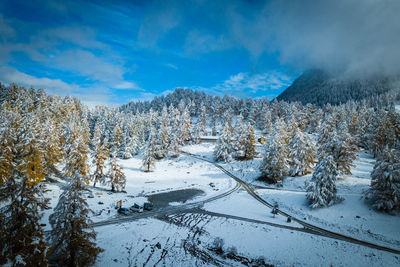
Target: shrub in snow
385, 182
218, 245
321, 191
231, 251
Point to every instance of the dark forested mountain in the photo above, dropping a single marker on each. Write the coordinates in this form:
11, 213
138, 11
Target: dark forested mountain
318, 87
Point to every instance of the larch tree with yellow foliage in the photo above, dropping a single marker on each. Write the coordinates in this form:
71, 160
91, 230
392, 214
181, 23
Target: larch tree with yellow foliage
249, 148
22, 240
73, 237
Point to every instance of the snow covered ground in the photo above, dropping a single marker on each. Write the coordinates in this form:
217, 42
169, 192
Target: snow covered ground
354, 216
151, 242
186, 239
181, 173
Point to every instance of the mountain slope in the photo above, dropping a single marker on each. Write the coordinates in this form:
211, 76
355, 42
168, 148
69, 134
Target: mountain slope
318, 87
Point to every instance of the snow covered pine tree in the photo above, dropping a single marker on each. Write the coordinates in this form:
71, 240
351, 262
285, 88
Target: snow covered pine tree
223, 149
21, 191
148, 154
385, 182
321, 191
73, 237
275, 164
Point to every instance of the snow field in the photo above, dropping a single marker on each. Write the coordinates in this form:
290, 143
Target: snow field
281, 247
180, 173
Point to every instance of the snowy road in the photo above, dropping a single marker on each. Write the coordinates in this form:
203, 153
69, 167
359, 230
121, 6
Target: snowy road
166, 210
195, 208
309, 228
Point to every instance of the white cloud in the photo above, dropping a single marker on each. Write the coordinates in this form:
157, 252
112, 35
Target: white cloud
54, 86
244, 83
160, 18
78, 35
91, 96
91, 66
172, 66
46, 48
128, 85
198, 42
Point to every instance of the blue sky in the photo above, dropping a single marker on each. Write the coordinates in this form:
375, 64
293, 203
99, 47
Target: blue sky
116, 51
111, 52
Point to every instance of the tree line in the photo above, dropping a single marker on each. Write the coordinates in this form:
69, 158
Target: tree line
43, 136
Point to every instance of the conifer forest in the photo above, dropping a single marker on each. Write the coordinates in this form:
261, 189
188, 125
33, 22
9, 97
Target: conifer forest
199, 133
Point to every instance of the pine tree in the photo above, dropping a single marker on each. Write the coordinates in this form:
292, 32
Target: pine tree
131, 147
267, 124
240, 138
341, 149
174, 146
250, 141
385, 181
73, 237
100, 154
149, 155
196, 133
185, 127
301, 155
21, 192
162, 141
275, 164
116, 177
321, 191
51, 145
203, 121
76, 150
223, 149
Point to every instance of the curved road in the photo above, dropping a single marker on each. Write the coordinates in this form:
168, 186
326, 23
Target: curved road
195, 208
308, 227
165, 211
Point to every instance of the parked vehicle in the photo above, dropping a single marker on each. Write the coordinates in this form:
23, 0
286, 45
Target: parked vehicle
148, 206
136, 208
123, 211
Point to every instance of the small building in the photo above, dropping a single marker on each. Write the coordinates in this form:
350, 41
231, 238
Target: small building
262, 140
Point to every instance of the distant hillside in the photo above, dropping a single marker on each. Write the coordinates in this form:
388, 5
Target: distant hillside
318, 87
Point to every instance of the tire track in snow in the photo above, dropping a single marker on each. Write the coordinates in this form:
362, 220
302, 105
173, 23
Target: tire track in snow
165, 211
309, 228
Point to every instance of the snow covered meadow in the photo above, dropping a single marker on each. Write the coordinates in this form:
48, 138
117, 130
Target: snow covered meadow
239, 220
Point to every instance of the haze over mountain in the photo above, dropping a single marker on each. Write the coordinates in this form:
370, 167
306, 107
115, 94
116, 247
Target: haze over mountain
320, 87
